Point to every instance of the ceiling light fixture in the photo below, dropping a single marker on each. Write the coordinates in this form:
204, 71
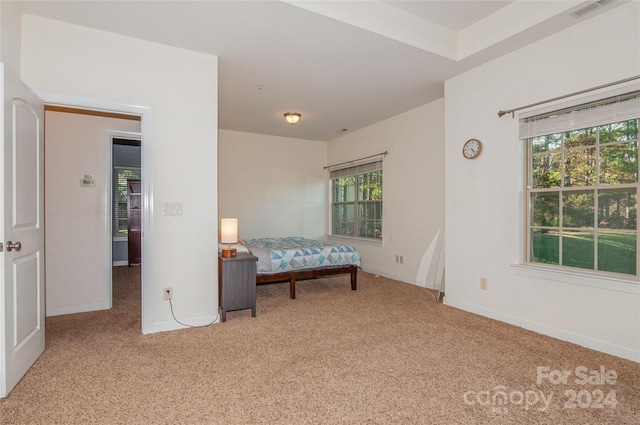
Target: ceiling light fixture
292, 117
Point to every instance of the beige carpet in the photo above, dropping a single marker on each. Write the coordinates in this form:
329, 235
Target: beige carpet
384, 354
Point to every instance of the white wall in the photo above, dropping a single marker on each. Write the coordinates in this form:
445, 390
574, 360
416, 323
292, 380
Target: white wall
180, 87
75, 216
274, 185
413, 191
484, 236
10, 36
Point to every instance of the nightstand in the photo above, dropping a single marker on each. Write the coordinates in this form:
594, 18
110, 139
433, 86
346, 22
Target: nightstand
237, 283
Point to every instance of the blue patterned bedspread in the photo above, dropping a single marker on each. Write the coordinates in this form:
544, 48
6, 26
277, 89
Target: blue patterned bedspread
278, 255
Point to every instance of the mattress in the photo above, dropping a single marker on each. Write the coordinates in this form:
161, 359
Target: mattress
280, 255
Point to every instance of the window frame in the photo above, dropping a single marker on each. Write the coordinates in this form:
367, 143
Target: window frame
356, 172
588, 277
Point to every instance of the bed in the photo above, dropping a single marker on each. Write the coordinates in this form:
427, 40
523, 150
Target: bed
294, 258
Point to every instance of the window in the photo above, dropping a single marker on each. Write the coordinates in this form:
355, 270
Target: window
582, 186
357, 201
121, 175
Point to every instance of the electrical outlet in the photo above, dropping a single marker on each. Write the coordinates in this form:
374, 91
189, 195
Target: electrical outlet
483, 283
167, 294
401, 259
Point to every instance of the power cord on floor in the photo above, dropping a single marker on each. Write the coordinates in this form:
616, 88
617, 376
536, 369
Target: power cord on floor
191, 326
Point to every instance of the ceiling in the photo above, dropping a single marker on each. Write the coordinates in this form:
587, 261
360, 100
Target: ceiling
342, 65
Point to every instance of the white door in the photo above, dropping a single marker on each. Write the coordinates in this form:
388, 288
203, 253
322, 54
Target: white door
22, 298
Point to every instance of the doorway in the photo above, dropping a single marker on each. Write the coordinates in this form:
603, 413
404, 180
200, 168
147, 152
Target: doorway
79, 173
126, 164
145, 115
126, 254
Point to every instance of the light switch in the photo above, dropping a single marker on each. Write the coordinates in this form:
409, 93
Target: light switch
172, 208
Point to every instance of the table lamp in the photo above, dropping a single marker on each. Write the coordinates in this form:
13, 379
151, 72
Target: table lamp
229, 235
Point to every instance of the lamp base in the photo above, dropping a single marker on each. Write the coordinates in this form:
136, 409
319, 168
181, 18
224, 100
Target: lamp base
229, 253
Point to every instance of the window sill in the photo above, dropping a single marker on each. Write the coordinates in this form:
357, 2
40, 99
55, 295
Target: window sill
349, 239
630, 285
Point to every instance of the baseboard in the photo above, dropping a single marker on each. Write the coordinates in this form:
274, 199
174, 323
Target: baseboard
172, 325
400, 278
72, 309
592, 343
120, 263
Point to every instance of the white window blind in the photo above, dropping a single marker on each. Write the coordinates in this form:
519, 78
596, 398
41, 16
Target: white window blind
356, 170
606, 111
121, 216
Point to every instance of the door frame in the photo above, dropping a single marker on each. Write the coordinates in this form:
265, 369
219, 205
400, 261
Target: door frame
146, 165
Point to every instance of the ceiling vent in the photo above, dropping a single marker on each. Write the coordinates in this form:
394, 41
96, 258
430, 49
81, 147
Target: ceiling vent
591, 7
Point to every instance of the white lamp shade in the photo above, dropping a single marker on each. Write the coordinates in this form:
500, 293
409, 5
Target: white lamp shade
229, 230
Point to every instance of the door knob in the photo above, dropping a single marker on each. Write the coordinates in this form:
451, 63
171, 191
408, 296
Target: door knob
11, 246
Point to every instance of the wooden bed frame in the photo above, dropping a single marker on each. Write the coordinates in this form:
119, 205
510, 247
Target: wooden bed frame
292, 276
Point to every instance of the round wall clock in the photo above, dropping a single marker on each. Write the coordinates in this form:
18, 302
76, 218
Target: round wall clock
472, 148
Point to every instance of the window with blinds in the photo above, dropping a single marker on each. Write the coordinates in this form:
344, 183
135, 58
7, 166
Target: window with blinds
357, 201
582, 186
121, 174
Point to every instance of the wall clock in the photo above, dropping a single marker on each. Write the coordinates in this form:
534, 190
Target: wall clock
472, 148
